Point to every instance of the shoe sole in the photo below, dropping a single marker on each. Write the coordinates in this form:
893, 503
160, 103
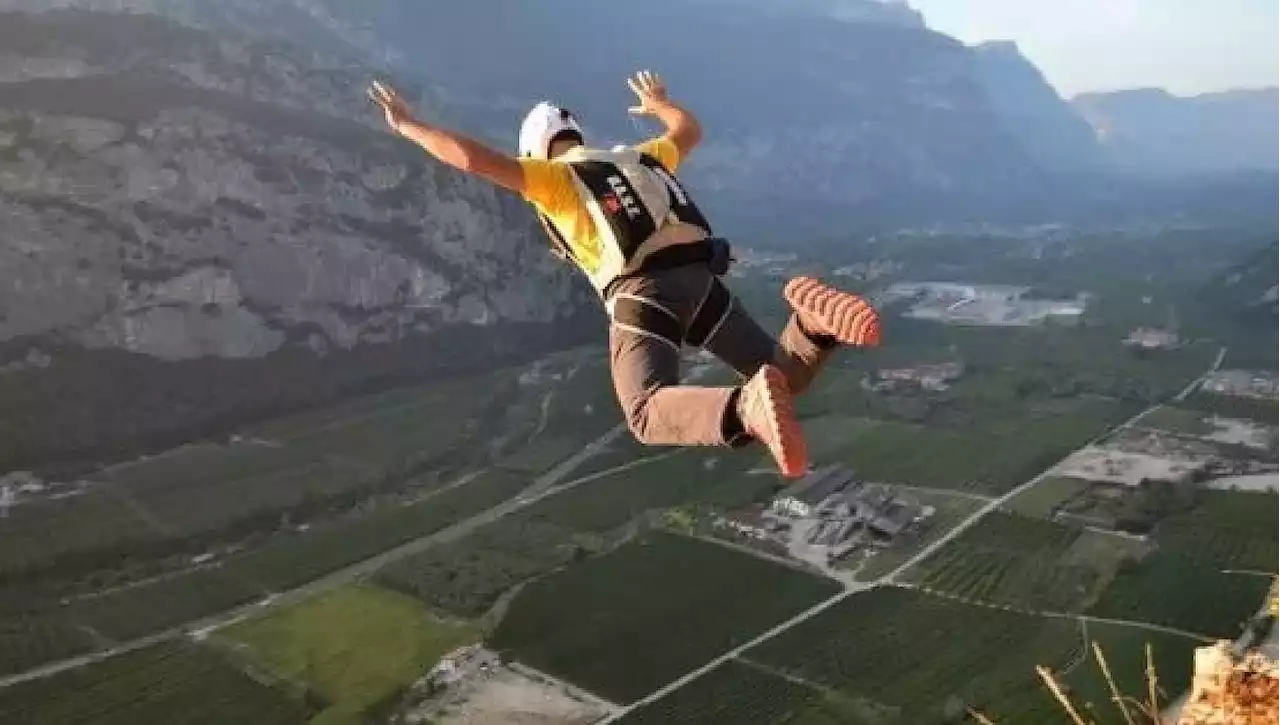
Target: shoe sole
786, 438
844, 316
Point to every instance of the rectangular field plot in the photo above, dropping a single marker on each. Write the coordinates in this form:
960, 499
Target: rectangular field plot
36, 533
283, 562
1082, 680
294, 559
161, 684
832, 434
1172, 590
468, 576
1046, 496
1177, 420
924, 655
990, 460
737, 693
354, 646
1015, 561
626, 623
1232, 406
1227, 530
134, 611
30, 639
681, 477
400, 422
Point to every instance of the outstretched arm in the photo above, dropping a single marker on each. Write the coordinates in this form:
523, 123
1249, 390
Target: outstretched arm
683, 128
449, 147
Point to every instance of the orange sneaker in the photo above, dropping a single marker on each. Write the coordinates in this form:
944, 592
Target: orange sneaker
769, 415
829, 312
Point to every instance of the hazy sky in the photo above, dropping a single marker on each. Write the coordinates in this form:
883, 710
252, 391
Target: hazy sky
1186, 46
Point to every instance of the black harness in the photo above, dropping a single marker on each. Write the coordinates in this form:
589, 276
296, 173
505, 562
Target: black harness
632, 224
629, 221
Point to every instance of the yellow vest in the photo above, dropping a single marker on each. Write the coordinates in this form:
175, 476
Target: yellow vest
630, 196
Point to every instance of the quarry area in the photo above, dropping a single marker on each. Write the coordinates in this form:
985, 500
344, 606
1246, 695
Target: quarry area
991, 305
1179, 447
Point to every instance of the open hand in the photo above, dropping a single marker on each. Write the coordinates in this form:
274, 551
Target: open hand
651, 91
394, 106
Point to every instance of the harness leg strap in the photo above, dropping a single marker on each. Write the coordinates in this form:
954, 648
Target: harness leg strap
645, 317
710, 314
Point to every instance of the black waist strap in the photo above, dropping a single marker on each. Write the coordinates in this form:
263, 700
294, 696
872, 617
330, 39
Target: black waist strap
712, 251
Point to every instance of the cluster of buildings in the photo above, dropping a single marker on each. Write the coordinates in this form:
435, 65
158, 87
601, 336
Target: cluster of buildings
1151, 338
1244, 383
459, 664
926, 377
831, 512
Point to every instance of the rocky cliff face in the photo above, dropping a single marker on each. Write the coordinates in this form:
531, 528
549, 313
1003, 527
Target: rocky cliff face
1153, 132
199, 226
803, 115
180, 194
1051, 131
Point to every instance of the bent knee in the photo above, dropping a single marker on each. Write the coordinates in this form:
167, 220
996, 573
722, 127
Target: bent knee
637, 415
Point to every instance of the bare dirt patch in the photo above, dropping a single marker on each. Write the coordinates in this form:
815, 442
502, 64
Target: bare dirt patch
1241, 432
1123, 467
507, 697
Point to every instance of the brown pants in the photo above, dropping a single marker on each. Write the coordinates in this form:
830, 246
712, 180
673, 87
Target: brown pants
646, 367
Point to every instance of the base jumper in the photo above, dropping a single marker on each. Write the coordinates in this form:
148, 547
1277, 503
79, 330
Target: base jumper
628, 224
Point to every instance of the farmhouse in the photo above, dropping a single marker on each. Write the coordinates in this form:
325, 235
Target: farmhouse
1244, 383
928, 377
803, 498
1152, 339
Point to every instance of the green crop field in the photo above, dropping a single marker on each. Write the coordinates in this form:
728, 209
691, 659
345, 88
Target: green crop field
1081, 679
134, 611
1228, 530
283, 562
468, 576
176, 684
736, 693
1233, 406
925, 655
31, 638
1046, 496
146, 508
624, 624
689, 476
1175, 591
1176, 420
39, 532
830, 435
990, 459
354, 646
1011, 560
289, 561
392, 425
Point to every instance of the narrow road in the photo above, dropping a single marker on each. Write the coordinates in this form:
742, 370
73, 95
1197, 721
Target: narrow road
1191, 387
548, 484
543, 486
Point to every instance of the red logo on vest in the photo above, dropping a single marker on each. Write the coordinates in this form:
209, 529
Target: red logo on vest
611, 204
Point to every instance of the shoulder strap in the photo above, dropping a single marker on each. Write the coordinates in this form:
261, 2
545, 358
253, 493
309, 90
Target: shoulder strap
559, 247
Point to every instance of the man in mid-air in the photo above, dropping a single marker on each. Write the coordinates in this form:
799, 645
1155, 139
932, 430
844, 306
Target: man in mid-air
625, 220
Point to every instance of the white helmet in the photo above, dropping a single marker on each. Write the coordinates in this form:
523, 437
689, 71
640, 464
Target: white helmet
541, 126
